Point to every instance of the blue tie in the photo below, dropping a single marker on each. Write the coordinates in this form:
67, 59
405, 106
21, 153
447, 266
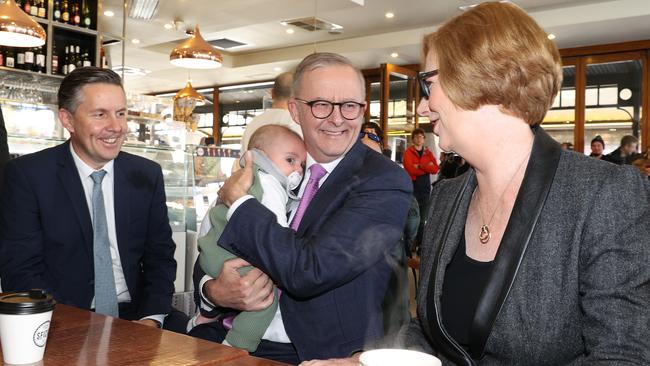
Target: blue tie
105, 294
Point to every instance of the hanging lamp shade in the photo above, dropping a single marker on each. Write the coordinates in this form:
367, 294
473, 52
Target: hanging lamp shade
188, 92
17, 29
196, 53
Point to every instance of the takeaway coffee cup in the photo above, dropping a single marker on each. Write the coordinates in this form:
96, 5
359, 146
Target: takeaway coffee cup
392, 357
24, 324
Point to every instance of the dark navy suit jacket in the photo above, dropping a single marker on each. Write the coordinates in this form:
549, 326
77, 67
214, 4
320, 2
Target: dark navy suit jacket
334, 270
46, 234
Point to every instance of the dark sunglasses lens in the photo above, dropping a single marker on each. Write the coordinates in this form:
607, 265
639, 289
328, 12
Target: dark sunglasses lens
424, 88
374, 137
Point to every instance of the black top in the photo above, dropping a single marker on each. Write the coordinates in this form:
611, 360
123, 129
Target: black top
465, 279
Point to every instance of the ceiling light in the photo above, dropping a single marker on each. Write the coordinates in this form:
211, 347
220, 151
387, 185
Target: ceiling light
135, 41
394, 55
196, 53
390, 15
290, 31
168, 26
277, 69
17, 29
143, 9
551, 36
109, 13
188, 92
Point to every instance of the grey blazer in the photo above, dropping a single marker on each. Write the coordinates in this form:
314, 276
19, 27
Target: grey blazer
571, 278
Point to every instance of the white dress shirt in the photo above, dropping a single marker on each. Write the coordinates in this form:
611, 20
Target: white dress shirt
108, 191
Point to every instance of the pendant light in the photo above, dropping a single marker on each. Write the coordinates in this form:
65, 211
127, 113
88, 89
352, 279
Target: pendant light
17, 29
188, 92
196, 53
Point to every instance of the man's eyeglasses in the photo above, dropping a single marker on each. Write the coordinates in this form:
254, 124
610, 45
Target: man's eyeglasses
322, 108
371, 136
425, 86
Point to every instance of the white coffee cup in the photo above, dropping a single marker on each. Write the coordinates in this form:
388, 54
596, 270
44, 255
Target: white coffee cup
392, 357
24, 325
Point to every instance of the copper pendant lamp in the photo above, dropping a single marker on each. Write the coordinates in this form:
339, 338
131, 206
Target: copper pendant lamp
189, 93
196, 53
17, 29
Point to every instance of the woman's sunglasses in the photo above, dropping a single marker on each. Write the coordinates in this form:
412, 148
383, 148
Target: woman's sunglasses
371, 136
425, 86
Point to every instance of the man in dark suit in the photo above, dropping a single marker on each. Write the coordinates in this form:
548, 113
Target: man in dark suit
333, 263
87, 222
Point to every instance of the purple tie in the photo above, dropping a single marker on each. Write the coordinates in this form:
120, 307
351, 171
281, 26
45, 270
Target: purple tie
316, 172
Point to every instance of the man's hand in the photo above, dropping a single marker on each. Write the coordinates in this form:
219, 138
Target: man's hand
239, 182
148, 322
252, 292
350, 361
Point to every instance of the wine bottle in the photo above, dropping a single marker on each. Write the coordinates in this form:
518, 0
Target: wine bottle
40, 59
65, 11
11, 58
20, 59
33, 10
57, 10
78, 62
27, 6
71, 60
85, 12
2, 56
76, 15
66, 57
86, 59
55, 60
29, 59
42, 11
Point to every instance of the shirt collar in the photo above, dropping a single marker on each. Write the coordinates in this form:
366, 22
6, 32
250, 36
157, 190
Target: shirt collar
328, 166
86, 170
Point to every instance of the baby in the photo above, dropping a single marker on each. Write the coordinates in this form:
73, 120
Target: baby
279, 156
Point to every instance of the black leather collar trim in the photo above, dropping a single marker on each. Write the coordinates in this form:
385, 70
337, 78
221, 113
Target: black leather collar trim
448, 346
532, 195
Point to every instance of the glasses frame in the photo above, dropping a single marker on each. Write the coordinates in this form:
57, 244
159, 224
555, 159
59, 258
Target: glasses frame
424, 84
311, 104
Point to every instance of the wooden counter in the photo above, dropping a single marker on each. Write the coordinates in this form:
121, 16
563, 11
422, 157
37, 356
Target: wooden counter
81, 337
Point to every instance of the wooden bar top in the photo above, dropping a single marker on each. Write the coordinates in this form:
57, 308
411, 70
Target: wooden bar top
81, 337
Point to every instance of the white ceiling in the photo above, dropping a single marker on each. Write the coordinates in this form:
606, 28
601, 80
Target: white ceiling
368, 38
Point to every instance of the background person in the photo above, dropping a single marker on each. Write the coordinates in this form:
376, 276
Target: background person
625, 153
419, 162
597, 147
88, 222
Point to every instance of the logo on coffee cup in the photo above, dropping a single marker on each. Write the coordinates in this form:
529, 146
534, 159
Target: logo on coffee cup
40, 335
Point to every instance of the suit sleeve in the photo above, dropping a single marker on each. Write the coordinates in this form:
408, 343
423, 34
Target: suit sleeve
614, 272
21, 237
158, 263
353, 238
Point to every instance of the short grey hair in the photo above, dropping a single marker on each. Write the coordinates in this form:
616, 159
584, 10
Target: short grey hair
323, 59
69, 95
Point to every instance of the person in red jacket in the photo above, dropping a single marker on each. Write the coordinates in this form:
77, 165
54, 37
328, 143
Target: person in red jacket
419, 162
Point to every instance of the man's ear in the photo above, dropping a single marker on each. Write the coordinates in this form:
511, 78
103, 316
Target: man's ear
293, 110
66, 119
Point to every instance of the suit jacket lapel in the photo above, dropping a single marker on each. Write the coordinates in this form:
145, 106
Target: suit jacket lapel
535, 187
121, 191
68, 175
338, 182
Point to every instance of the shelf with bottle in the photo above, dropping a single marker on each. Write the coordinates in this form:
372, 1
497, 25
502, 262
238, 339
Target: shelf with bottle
25, 59
80, 14
35, 8
71, 50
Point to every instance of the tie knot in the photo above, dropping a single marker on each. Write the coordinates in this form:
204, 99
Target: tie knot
98, 176
317, 172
